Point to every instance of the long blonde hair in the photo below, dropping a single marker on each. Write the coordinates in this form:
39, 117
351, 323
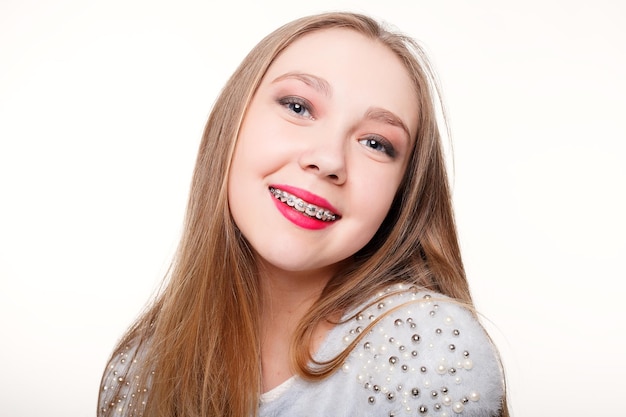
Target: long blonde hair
201, 334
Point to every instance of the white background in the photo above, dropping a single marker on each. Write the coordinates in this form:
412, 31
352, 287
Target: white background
102, 105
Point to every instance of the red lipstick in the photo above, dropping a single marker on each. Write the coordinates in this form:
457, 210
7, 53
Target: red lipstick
318, 216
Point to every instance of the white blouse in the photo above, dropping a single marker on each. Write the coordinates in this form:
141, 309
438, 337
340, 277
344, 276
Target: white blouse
419, 354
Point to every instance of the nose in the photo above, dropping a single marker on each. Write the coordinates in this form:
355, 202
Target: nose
325, 158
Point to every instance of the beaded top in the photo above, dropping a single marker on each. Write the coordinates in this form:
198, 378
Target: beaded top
416, 354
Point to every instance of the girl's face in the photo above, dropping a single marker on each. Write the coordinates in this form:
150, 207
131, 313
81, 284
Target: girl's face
322, 151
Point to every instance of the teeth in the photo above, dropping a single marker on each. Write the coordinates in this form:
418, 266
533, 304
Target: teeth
302, 206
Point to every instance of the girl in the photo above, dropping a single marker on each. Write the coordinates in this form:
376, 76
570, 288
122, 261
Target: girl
319, 271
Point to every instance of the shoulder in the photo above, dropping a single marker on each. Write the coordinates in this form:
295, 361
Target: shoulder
121, 391
422, 351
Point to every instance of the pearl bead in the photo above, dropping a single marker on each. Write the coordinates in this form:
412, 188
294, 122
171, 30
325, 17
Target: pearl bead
458, 407
474, 396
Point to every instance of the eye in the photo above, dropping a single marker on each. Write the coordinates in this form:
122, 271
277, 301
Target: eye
298, 106
379, 144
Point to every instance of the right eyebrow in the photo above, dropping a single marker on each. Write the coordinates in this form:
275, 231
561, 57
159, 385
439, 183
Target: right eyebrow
317, 83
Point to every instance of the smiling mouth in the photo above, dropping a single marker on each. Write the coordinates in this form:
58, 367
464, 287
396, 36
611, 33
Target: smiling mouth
304, 207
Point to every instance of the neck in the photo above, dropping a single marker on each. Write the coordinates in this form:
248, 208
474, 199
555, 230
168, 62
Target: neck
291, 294
286, 298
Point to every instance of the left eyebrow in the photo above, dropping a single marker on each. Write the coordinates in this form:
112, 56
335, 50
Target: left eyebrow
377, 113
313, 81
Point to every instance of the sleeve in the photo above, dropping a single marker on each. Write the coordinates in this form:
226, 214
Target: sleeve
120, 391
424, 355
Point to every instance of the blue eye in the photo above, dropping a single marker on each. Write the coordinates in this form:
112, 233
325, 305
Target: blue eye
298, 106
379, 144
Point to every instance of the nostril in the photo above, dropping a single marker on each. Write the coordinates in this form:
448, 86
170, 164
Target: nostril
333, 177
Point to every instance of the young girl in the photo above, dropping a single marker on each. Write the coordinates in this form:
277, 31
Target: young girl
319, 271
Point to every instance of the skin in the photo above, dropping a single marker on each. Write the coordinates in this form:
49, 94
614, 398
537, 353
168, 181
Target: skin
335, 116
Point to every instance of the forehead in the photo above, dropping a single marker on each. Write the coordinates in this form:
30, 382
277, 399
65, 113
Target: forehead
355, 66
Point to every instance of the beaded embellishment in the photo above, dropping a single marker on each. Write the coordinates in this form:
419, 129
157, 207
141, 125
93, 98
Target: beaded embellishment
415, 359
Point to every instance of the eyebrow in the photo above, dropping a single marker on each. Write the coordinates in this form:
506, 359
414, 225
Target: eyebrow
317, 83
377, 113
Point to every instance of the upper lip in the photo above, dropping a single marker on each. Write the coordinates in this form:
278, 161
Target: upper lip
307, 196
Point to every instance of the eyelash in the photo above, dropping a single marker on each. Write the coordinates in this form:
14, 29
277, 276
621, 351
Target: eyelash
373, 141
302, 105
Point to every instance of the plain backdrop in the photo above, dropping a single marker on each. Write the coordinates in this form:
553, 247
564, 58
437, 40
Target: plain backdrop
102, 105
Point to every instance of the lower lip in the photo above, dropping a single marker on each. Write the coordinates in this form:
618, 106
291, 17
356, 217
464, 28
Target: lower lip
299, 219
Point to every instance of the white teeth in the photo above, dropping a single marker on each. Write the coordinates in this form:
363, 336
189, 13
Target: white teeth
302, 206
